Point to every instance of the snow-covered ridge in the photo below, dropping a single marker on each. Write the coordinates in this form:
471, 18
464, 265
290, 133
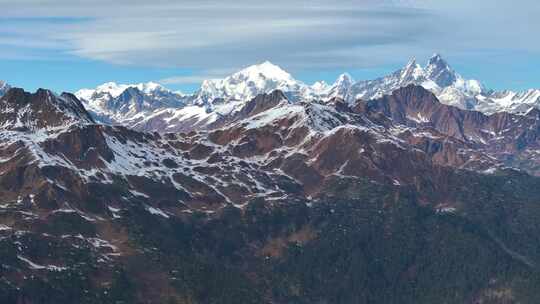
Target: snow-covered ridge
157, 108
263, 79
126, 103
42, 110
114, 89
138, 105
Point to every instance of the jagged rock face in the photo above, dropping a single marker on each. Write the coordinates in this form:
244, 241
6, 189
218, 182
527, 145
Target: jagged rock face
507, 137
411, 73
128, 104
42, 110
108, 214
416, 106
437, 76
440, 72
197, 118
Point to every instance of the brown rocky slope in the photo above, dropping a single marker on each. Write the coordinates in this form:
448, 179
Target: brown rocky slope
396, 200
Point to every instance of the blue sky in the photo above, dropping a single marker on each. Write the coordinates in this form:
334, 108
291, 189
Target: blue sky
67, 45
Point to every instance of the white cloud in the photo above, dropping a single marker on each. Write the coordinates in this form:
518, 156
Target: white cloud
301, 34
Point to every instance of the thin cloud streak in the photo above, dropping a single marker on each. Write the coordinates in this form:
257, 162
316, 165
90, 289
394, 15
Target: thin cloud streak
202, 35
300, 35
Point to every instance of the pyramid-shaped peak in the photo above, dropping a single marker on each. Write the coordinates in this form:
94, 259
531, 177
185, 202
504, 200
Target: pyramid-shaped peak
440, 71
436, 57
411, 71
345, 77
266, 69
411, 63
437, 61
268, 64
343, 83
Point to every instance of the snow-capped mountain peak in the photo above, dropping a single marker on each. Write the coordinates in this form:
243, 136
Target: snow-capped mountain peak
437, 76
344, 79
112, 88
412, 71
4, 87
341, 86
150, 87
440, 72
247, 83
265, 70
437, 60
104, 91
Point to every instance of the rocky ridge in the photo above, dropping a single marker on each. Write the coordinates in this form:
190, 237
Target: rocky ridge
100, 214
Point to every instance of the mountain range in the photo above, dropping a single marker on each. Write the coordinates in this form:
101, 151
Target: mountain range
261, 189
151, 107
